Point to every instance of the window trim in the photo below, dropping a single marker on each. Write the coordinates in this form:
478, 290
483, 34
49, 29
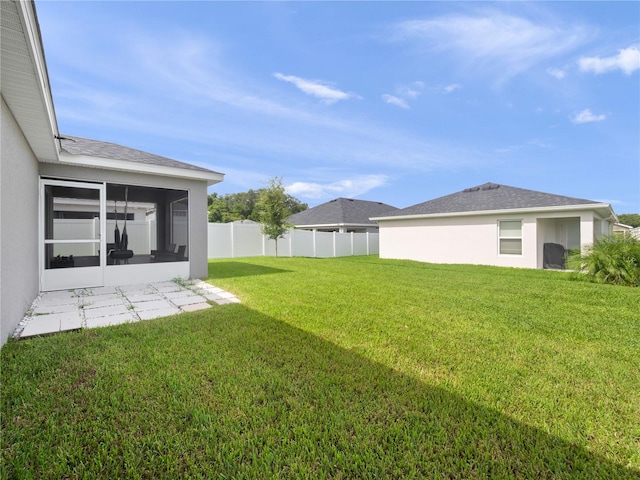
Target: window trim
510, 237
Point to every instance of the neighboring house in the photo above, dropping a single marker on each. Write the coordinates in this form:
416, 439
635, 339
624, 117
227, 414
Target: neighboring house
494, 224
635, 232
622, 228
342, 215
45, 177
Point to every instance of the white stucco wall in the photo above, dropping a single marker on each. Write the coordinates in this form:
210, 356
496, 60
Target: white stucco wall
19, 225
465, 239
473, 239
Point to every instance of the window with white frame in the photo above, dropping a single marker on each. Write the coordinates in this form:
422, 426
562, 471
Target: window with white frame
510, 237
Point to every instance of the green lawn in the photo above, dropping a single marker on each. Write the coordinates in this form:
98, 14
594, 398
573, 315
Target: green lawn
341, 368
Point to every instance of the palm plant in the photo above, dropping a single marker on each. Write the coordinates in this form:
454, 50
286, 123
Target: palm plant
612, 259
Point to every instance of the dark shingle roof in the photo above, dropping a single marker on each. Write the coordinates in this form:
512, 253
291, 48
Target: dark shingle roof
342, 211
487, 197
96, 148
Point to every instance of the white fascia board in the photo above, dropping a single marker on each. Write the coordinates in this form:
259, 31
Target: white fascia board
135, 167
559, 208
325, 225
32, 32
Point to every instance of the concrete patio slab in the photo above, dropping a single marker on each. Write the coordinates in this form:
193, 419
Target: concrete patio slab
45, 309
89, 303
226, 301
60, 294
226, 295
101, 290
194, 307
146, 297
106, 311
35, 328
179, 294
163, 312
208, 288
55, 322
187, 300
45, 299
167, 287
57, 317
88, 297
152, 305
71, 323
111, 320
62, 310
137, 287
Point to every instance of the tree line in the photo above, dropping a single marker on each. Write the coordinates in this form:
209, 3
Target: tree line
248, 205
631, 219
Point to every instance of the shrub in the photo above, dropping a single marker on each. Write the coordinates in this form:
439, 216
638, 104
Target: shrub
613, 259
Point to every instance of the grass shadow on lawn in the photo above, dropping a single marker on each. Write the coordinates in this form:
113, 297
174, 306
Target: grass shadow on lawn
239, 269
232, 393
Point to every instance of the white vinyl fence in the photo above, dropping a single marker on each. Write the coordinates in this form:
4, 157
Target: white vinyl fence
230, 240
141, 234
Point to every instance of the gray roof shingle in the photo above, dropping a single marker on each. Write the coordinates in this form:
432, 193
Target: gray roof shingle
342, 211
487, 197
95, 148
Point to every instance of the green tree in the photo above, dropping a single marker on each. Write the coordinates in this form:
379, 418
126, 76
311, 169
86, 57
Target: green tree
631, 219
218, 209
243, 206
274, 210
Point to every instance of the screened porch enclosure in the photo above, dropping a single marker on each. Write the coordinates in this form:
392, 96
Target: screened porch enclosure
142, 225
158, 230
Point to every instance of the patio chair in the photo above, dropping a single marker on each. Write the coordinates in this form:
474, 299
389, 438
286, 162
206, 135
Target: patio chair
553, 256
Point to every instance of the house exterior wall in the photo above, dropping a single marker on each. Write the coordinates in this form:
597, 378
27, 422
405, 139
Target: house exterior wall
465, 239
473, 239
197, 202
19, 226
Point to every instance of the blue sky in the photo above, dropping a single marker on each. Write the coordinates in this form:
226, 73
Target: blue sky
398, 102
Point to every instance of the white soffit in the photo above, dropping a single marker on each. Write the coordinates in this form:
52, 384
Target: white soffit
24, 79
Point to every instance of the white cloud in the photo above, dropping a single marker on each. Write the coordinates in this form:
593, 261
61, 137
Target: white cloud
586, 116
315, 88
493, 43
451, 88
344, 188
397, 101
627, 60
557, 73
413, 90
404, 93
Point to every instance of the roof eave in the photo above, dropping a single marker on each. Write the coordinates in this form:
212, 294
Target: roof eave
324, 225
122, 165
604, 207
37, 118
